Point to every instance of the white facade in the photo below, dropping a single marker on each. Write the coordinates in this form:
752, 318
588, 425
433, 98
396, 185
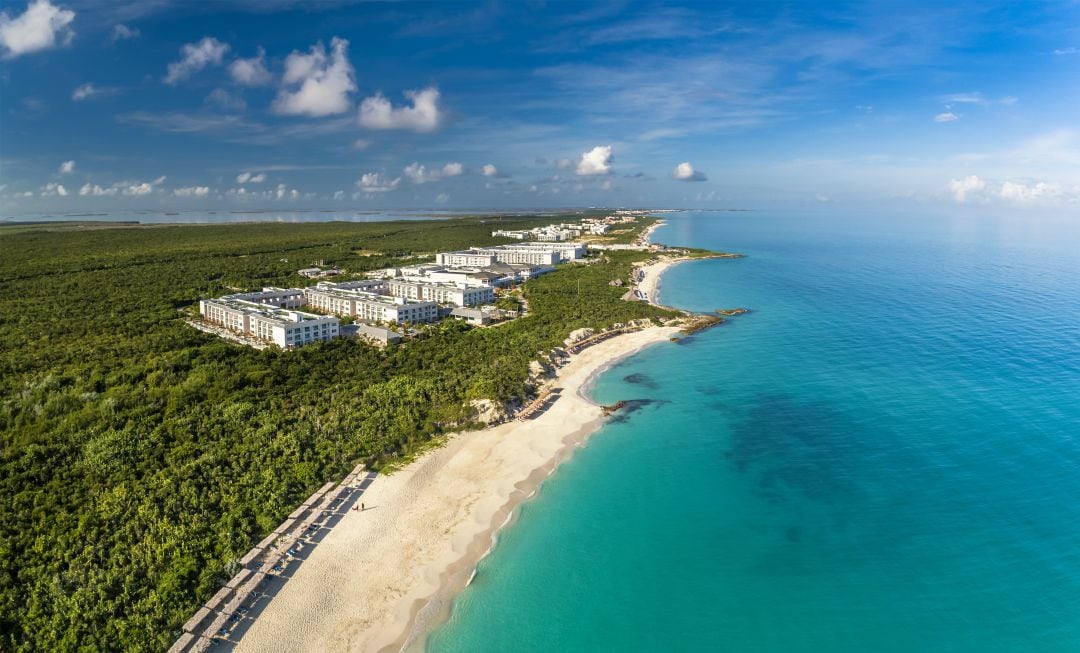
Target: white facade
470, 258
441, 292
371, 307
270, 296
285, 328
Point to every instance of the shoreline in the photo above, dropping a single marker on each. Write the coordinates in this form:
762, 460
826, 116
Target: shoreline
385, 578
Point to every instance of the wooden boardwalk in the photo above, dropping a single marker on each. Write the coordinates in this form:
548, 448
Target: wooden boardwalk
218, 619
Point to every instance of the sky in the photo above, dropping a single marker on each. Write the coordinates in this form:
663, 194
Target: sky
126, 105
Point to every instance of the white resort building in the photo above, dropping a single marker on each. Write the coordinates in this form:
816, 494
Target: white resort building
283, 327
369, 306
270, 296
442, 293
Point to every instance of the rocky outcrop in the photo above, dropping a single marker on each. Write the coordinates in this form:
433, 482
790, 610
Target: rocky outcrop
578, 335
487, 411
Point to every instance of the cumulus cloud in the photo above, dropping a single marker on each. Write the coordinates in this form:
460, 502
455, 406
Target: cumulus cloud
961, 189
946, 116
685, 172
339, 195
67, 167
489, 170
38, 28
1019, 192
596, 161
123, 33
140, 188
251, 72
196, 56
317, 84
282, 191
192, 191
53, 188
250, 178
376, 112
98, 191
374, 182
419, 174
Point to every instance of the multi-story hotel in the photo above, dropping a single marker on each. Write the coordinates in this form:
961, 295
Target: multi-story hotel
442, 293
283, 327
369, 306
270, 296
519, 253
468, 258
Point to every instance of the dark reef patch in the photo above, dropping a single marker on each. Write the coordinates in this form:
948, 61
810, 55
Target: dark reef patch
641, 379
630, 406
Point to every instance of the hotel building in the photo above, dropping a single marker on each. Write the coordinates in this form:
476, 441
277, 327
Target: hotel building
283, 327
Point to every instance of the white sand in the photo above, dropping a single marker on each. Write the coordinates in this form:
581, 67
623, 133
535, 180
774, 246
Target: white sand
650, 284
381, 578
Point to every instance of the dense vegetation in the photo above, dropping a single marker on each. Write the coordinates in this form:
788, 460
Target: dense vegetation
140, 457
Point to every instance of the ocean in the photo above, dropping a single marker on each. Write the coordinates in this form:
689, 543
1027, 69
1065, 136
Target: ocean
884, 455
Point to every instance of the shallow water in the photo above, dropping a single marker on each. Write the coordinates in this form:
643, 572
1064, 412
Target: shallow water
884, 455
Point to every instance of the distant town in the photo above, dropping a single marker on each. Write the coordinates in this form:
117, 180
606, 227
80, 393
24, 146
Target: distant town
382, 307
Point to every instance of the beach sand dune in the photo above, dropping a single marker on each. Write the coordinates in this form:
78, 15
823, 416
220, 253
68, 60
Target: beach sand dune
382, 577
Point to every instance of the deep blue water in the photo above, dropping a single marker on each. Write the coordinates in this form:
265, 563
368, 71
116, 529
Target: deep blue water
883, 456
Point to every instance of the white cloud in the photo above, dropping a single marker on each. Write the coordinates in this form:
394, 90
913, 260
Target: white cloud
962, 188
564, 164
374, 182
123, 32
1072, 49
339, 195
596, 161
192, 191
361, 144
83, 92
53, 188
489, 170
251, 72
376, 112
442, 198
196, 56
1020, 192
419, 174
98, 191
685, 172
225, 100
139, 188
250, 178
35, 29
947, 116
320, 84
282, 191
67, 167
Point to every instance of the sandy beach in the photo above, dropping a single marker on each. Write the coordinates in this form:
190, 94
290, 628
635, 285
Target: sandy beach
650, 283
383, 577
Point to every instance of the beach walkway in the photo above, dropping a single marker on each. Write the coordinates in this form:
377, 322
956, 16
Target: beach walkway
223, 620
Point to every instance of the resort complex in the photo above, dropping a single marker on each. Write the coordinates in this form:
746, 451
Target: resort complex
458, 285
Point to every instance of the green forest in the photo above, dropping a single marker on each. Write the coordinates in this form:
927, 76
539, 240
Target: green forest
141, 458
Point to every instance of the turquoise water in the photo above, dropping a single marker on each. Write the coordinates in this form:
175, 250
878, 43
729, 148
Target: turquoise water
883, 456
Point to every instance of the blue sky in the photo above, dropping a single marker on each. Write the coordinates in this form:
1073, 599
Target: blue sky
159, 104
